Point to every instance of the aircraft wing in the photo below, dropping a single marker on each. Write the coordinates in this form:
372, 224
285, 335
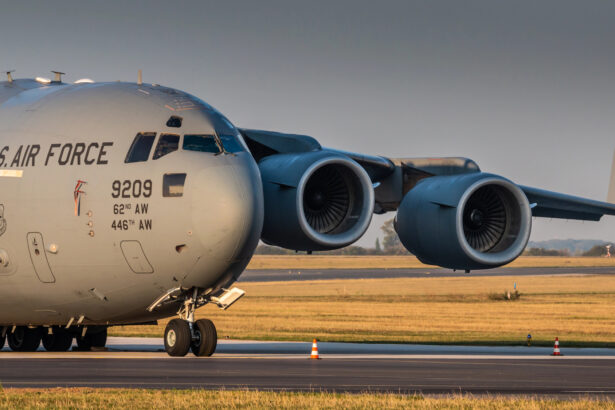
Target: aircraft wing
394, 177
549, 204
448, 212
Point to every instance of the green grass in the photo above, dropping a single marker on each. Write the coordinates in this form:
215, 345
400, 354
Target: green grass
85, 398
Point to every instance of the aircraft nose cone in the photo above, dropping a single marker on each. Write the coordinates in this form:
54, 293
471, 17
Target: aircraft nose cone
227, 214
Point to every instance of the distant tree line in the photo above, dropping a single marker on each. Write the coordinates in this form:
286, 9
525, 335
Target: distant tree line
597, 250
546, 252
391, 245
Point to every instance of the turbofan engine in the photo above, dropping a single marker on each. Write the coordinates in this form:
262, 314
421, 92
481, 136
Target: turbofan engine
317, 200
475, 221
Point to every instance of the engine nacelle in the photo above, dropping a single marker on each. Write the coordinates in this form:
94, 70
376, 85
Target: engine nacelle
472, 221
316, 200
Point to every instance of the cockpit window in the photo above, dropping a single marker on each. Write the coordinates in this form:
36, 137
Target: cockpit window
201, 143
230, 137
141, 147
231, 143
174, 122
227, 132
166, 144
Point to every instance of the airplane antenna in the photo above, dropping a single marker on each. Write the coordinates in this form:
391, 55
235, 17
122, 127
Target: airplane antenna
139, 77
8, 75
58, 77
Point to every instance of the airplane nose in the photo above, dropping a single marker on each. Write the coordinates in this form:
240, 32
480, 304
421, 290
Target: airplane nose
227, 216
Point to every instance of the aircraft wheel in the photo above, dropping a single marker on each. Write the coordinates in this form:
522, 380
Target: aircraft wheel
59, 341
2, 338
206, 338
24, 339
94, 339
177, 337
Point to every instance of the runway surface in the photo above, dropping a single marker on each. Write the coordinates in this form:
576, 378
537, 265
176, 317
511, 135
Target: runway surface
272, 275
345, 367
139, 362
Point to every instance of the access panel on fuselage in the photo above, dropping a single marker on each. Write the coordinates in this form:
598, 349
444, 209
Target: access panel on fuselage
36, 246
135, 257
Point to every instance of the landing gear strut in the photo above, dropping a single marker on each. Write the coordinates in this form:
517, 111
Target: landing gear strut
184, 334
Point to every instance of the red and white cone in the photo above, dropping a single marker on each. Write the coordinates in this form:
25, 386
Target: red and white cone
556, 351
314, 354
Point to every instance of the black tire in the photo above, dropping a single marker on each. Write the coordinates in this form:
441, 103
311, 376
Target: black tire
59, 341
177, 338
206, 338
96, 339
2, 338
83, 343
24, 339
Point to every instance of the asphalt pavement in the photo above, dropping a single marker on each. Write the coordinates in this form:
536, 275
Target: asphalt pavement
275, 275
344, 367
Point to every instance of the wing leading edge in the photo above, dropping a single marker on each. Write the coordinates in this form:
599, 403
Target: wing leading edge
394, 177
549, 204
555, 205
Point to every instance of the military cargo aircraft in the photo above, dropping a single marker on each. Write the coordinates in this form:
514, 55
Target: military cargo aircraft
124, 203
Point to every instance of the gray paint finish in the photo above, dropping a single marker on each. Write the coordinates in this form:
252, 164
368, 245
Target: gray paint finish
103, 243
94, 232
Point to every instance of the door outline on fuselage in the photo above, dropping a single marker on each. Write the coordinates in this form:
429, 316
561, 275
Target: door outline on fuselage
135, 257
38, 257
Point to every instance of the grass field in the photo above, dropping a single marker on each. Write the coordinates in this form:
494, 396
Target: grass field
393, 262
579, 309
146, 399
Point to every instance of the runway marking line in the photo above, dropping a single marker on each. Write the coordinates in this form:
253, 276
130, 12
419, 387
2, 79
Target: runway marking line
272, 356
589, 391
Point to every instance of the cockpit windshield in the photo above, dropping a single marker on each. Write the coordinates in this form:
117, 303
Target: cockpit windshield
231, 144
228, 134
166, 144
201, 143
141, 147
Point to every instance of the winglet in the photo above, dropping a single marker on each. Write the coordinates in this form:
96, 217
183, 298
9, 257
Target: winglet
611, 195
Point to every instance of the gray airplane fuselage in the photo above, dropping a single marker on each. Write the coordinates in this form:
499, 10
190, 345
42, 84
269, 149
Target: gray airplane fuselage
84, 234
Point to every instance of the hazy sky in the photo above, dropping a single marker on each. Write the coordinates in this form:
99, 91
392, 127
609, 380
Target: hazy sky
525, 88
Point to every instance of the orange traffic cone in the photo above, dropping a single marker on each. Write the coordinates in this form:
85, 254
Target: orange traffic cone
556, 348
314, 354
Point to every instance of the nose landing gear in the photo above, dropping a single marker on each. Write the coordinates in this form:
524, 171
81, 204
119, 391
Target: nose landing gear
177, 337
180, 336
206, 338
184, 334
